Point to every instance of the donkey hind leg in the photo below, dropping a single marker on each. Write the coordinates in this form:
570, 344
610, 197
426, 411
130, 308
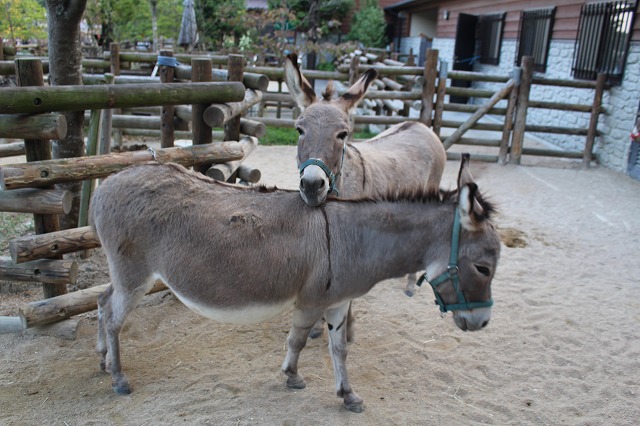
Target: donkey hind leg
338, 323
318, 327
303, 321
114, 306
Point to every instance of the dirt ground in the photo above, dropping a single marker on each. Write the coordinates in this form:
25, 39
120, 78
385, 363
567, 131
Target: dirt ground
563, 345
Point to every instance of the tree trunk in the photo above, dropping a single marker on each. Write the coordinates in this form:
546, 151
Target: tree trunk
65, 59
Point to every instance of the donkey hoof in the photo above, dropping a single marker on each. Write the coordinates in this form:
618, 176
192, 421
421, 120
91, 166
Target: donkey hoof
122, 389
296, 383
353, 403
316, 332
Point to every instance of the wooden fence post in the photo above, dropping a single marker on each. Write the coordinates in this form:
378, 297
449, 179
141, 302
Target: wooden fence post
201, 70
1, 49
508, 116
517, 139
429, 88
114, 59
440, 93
167, 129
236, 70
593, 120
29, 73
353, 70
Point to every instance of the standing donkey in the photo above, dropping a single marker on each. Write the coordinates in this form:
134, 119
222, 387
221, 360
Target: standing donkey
237, 254
407, 156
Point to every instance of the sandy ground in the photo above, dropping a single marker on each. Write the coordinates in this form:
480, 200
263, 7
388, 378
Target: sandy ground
563, 345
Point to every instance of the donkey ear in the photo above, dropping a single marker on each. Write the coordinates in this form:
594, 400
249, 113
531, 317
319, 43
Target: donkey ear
464, 175
300, 89
471, 212
356, 92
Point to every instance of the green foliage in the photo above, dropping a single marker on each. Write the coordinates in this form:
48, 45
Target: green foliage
220, 18
23, 19
326, 66
280, 136
131, 19
289, 136
369, 26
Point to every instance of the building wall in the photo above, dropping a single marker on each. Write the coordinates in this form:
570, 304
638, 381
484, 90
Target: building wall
620, 102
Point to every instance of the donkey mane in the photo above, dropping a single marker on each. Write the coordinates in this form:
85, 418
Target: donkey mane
426, 195
329, 91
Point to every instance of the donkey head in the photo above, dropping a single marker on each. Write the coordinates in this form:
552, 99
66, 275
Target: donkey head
465, 286
324, 128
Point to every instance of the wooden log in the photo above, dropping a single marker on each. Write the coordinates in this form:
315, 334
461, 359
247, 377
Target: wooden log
40, 173
429, 89
520, 121
248, 174
122, 121
593, 120
455, 136
41, 201
49, 271
252, 128
224, 171
39, 126
12, 149
201, 130
12, 325
114, 58
73, 98
62, 307
235, 67
166, 116
384, 69
388, 94
353, 70
393, 85
250, 80
217, 115
469, 92
508, 118
43, 246
66, 329
277, 122
441, 89
29, 72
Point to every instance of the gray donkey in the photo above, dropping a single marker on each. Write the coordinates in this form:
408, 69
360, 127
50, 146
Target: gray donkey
238, 254
406, 156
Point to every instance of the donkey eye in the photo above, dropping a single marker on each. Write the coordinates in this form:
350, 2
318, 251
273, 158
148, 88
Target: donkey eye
300, 131
343, 135
483, 270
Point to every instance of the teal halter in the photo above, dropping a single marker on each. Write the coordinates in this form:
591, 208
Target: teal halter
453, 274
332, 176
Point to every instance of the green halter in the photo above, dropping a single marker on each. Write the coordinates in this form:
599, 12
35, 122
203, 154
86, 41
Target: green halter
332, 176
453, 274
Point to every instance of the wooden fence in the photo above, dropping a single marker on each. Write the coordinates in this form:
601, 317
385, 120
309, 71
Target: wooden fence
209, 99
190, 99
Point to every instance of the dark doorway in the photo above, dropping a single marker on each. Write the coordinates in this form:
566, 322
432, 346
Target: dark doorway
464, 52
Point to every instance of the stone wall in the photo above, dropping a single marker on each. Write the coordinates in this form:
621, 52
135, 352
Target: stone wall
620, 102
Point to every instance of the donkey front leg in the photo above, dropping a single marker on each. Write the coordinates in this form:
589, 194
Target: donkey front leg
303, 321
338, 322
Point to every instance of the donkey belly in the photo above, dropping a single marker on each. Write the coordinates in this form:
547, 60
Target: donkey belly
251, 313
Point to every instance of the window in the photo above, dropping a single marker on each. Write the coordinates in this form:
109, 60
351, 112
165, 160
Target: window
535, 36
490, 37
604, 33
